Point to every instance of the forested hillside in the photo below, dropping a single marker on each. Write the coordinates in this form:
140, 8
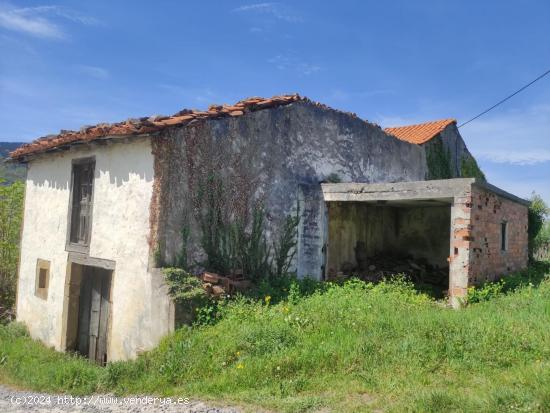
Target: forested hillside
10, 172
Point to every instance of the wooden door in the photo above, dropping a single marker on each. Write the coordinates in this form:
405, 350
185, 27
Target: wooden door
93, 318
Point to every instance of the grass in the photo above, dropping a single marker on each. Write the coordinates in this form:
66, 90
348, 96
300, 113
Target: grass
353, 347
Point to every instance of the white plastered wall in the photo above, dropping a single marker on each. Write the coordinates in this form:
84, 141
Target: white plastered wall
123, 184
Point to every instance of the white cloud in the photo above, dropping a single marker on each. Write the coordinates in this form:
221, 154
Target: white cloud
518, 157
39, 21
517, 137
286, 62
29, 23
94, 71
273, 9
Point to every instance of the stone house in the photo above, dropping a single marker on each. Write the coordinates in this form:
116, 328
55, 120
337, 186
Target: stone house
107, 206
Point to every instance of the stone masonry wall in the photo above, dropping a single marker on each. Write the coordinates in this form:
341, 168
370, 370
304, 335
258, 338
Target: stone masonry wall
277, 157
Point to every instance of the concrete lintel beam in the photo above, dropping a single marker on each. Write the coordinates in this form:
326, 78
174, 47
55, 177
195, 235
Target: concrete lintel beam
444, 190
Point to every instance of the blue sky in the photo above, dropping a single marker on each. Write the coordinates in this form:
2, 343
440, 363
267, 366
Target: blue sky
67, 64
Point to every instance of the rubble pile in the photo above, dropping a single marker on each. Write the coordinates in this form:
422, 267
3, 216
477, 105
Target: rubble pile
218, 285
378, 267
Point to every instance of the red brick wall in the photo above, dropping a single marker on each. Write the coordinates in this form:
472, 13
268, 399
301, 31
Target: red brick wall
487, 261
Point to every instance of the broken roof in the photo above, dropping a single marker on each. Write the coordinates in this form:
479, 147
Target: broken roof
149, 124
420, 133
412, 134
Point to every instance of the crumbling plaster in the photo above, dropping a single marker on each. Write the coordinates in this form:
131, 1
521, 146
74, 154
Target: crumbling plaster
277, 157
123, 185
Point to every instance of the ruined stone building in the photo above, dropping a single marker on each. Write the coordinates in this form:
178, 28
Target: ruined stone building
106, 206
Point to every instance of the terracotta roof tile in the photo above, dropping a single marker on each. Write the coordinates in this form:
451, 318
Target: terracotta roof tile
420, 133
149, 124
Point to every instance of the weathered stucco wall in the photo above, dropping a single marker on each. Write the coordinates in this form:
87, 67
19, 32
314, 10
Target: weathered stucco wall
278, 157
123, 182
424, 232
352, 222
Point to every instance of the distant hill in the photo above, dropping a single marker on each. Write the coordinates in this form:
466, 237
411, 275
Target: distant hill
10, 172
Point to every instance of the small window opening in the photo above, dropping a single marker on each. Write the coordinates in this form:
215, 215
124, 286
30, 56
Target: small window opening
503, 236
42, 278
81, 204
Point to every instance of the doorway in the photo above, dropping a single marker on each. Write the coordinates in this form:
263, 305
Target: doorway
89, 307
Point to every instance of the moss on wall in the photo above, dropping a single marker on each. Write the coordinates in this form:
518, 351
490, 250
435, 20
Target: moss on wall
469, 168
439, 160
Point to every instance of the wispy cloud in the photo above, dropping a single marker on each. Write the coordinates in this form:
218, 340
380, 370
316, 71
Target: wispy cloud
61, 12
289, 62
517, 157
94, 71
40, 21
519, 137
276, 10
16, 20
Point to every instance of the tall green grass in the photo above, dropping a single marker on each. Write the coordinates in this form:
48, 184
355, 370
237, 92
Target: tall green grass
353, 347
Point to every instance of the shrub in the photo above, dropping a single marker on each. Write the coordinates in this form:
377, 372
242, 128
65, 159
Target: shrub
188, 293
485, 292
286, 286
538, 213
11, 214
537, 272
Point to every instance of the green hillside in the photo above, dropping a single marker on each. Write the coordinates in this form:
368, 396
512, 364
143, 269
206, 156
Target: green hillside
10, 172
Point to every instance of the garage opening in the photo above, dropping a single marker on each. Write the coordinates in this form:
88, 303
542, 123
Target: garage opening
88, 311
378, 239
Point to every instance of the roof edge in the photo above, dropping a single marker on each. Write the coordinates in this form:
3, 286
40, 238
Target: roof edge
149, 125
420, 133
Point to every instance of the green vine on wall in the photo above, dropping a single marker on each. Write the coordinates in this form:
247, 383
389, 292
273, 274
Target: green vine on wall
439, 160
470, 169
238, 243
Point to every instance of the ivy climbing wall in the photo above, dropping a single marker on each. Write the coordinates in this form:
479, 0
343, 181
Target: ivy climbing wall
448, 157
276, 158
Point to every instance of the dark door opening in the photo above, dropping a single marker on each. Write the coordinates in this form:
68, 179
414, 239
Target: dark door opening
376, 240
93, 313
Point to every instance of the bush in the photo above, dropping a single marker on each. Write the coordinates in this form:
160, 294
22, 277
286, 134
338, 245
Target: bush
286, 286
532, 276
187, 292
11, 214
538, 213
485, 292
